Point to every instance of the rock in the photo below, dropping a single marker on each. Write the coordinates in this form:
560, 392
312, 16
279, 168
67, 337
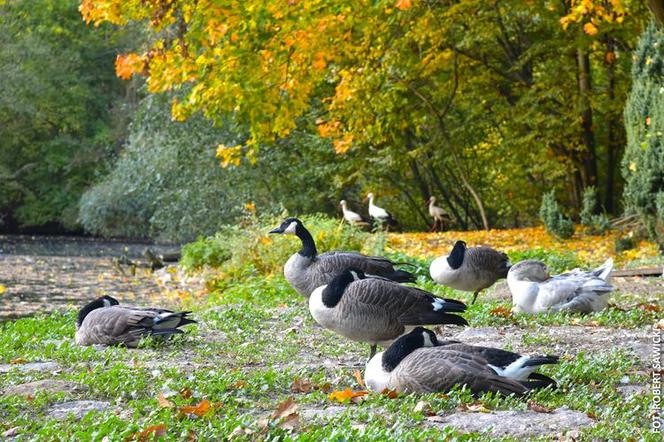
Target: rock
631, 390
322, 413
30, 366
515, 423
46, 385
76, 408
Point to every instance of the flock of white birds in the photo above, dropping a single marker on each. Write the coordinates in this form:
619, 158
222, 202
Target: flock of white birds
369, 299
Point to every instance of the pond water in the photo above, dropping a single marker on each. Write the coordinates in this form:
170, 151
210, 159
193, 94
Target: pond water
47, 273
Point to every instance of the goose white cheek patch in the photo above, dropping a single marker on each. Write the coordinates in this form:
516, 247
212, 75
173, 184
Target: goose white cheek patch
291, 228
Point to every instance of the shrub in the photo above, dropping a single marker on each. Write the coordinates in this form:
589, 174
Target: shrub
554, 221
597, 224
643, 162
247, 249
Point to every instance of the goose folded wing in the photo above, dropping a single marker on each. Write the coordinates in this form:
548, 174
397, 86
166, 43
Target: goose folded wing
438, 369
332, 263
488, 259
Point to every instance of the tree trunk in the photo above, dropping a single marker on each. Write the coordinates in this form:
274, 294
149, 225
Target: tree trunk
589, 156
657, 8
476, 197
612, 141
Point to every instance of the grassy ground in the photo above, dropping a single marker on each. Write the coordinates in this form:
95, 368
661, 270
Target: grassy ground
256, 346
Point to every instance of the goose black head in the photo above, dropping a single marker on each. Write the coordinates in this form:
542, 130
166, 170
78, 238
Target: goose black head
455, 258
104, 301
419, 337
290, 226
335, 289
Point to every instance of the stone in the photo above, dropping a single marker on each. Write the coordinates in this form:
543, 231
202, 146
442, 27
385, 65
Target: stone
515, 423
76, 408
43, 386
30, 366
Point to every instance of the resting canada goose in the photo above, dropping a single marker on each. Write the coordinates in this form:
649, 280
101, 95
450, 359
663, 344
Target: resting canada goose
415, 363
379, 214
103, 321
377, 310
534, 291
437, 214
307, 270
351, 217
470, 269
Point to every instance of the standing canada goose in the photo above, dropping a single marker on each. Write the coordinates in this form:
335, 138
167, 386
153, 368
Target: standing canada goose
377, 310
415, 363
353, 218
470, 269
438, 215
534, 291
307, 270
380, 215
103, 321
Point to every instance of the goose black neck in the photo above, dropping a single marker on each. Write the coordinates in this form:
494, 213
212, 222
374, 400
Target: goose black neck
308, 245
335, 289
98, 303
455, 259
401, 348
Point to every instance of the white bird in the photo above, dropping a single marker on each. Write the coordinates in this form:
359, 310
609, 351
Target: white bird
470, 269
438, 215
534, 291
353, 218
379, 214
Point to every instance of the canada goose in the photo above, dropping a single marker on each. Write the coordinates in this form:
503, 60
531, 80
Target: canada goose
103, 321
351, 217
438, 215
470, 269
377, 310
307, 270
534, 291
380, 215
416, 363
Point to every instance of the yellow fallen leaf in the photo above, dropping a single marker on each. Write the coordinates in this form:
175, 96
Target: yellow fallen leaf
163, 402
358, 377
345, 395
199, 409
3, 289
19, 360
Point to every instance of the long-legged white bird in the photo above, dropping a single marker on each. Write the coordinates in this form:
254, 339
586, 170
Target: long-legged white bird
534, 291
470, 269
104, 322
380, 215
438, 214
351, 217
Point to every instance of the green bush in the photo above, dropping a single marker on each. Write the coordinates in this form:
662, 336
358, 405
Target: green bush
596, 224
554, 221
643, 162
247, 249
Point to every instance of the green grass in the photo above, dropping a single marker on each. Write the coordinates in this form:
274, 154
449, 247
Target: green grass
256, 336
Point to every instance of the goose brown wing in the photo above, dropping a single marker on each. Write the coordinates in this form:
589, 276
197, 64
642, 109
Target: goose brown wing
331, 263
487, 260
437, 369
116, 325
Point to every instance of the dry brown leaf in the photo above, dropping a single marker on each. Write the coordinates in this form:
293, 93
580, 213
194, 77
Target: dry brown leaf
424, 408
185, 393
649, 307
241, 431
477, 407
19, 360
537, 408
591, 415
325, 388
153, 432
238, 384
199, 409
501, 311
659, 325
192, 436
346, 395
358, 377
163, 402
592, 324
617, 308
287, 415
392, 394
301, 386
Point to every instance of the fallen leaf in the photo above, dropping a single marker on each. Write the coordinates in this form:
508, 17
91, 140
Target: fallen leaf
241, 431
163, 402
301, 386
199, 409
477, 407
403, 4
358, 377
424, 407
19, 360
11, 432
501, 311
152, 432
534, 406
238, 384
286, 414
346, 395
3, 289
185, 393
659, 325
325, 388
592, 324
29, 397
591, 415
650, 307
392, 394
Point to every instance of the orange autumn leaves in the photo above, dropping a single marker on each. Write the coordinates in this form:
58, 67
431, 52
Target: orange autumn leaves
590, 249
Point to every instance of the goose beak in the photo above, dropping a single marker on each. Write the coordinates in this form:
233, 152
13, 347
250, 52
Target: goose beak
277, 230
